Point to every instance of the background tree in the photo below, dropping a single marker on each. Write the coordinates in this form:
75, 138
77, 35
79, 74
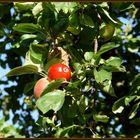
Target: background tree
102, 97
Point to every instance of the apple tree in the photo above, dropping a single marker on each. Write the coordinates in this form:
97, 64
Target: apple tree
93, 89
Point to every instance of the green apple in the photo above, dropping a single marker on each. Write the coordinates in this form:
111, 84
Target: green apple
106, 32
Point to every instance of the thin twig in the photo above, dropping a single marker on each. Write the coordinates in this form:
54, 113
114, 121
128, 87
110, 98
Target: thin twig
54, 117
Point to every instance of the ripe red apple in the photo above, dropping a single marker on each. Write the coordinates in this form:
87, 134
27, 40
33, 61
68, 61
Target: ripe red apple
58, 71
40, 85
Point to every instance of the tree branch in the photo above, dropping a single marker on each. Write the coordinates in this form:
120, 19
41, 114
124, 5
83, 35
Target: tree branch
95, 45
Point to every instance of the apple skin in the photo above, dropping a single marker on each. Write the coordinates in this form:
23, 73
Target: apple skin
40, 85
58, 71
107, 32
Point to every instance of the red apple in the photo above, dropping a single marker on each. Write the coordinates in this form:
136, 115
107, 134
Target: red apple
40, 85
58, 71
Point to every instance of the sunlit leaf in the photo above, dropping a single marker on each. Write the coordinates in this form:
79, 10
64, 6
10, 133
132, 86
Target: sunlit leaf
114, 68
51, 101
102, 75
83, 104
113, 61
37, 9
26, 69
38, 52
86, 20
106, 15
2, 120
134, 110
118, 106
27, 28
128, 99
106, 47
108, 88
88, 56
23, 6
100, 118
64, 132
73, 30
53, 85
42, 121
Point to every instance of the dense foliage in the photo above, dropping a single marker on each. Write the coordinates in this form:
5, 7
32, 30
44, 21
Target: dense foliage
102, 98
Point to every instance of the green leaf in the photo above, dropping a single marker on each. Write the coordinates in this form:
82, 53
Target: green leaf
27, 28
9, 131
42, 121
105, 15
133, 48
86, 20
114, 68
51, 101
38, 52
77, 66
74, 20
37, 9
113, 61
103, 78
2, 10
107, 87
72, 87
118, 106
123, 7
102, 75
23, 6
26, 69
100, 118
86, 38
103, 5
76, 56
2, 121
53, 85
69, 110
73, 30
64, 132
2, 33
134, 110
51, 62
135, 86
135, 121
106, 47
83, 103
128, 99
28, 36
48, 7
88, 56
60, 26
127, 6
49, 121
47, 18
109, 17
136, 80
30, 61
28, 87
65, 6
